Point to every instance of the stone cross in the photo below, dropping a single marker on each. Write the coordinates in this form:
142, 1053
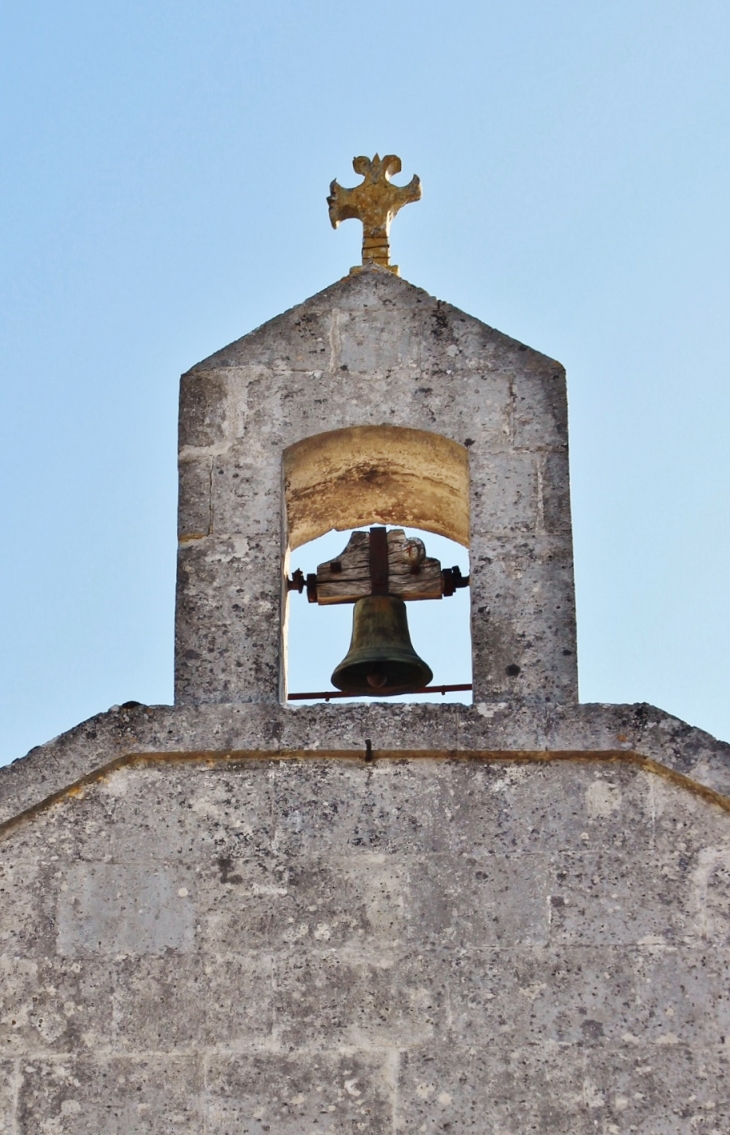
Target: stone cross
374, 202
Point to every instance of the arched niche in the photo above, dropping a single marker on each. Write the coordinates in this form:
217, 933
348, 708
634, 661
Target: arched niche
362, 475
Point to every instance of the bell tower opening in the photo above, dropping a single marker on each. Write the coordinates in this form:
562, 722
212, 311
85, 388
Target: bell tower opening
376, 476
318, 636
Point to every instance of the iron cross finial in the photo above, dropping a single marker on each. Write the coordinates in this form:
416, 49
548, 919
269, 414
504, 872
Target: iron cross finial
374, 202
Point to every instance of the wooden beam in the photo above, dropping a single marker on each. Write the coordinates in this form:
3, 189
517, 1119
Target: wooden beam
411, 573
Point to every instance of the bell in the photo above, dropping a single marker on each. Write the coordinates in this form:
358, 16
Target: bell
381, 660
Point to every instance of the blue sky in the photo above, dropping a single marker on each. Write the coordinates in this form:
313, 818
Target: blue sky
163, 192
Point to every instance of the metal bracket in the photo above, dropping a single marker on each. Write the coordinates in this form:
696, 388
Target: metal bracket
379, 570
453, 580
296, 583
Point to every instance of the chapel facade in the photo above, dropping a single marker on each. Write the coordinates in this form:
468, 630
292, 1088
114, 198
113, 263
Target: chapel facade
240, 914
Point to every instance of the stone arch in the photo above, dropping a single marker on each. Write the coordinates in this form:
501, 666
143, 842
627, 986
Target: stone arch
384, 474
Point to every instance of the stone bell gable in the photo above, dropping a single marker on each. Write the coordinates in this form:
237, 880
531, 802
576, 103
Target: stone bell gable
240, 915
374, 351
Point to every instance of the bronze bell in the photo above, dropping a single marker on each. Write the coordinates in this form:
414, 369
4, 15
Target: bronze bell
381, 660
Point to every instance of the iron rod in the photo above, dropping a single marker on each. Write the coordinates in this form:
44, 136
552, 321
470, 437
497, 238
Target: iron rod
328, 695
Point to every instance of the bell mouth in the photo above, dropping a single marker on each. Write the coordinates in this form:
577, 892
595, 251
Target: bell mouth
364, 680
377, 679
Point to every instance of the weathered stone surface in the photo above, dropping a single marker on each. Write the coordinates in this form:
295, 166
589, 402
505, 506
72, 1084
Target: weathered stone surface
207, 944
87, 1096
220, 918
472, 1090
331, 1093
116, 907
55, 1004
195, 519
8, 1082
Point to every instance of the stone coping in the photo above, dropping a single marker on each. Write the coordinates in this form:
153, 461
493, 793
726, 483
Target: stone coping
638, 734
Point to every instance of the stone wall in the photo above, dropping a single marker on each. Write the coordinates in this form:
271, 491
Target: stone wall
220, 945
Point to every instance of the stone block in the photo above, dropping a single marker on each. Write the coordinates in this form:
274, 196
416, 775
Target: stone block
685, 822
246, 502
226, 574
468, 411
274, 903
226, 590
554, 494
388, 806
377, 340
515, 996
391, 727
504, 493
453, 340
215, 665
55, 1005
540, 415
192, 1003
671, 1089
135, 1096
587, 996
27, 927
194, 505
682, 996
203, 410
566, 806
111, 908
239, 904
356, 999
523, 615
331, 1093
154, 813
468, 902
497, 725
471, 406
297, 340
493, 1092
28, 851
612, 897
8, 1078
456, 807
710, 899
